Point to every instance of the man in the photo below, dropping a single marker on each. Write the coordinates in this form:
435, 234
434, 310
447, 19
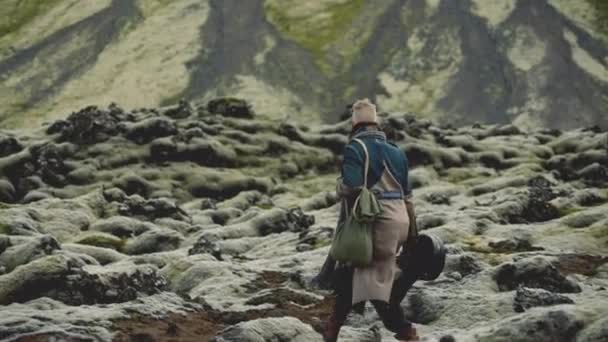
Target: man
381, 282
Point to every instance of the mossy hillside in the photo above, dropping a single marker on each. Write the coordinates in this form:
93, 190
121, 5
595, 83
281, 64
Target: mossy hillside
15, 14
315, 30
149, 7
601, 18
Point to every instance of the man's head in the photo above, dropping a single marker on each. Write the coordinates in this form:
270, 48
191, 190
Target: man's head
364, 111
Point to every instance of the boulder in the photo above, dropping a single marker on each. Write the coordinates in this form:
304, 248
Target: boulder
594, 174
9, 145
423, 306
513, 244
144, 131
121, 226
88, 126
286, 329
154, 240
231, 107
526, 298
180, 111
102, 255
464, 264
550, 325
151, 209
204, 246
595, 332
31, 280
7, 191
99, 239
24, 253
534, 272
111, 284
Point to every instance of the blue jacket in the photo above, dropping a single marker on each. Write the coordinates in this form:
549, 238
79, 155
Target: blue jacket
379, 150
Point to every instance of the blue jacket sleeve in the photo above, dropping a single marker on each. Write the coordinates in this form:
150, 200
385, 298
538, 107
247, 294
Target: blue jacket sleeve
352, 167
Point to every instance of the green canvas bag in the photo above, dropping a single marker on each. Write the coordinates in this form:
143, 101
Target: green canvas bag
352, 242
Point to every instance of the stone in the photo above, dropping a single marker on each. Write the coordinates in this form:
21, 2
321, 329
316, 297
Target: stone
144, 131
203, 245
288, 329
88, 126
550, 325
9, 145
24, 253
231, 107
526, 298
7, 191
534, 272
596, 332
181, 111
154, 240
423, 307
95, 284
25, 282
513, 244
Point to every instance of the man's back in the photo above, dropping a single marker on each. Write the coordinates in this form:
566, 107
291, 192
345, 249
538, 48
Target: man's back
381, 152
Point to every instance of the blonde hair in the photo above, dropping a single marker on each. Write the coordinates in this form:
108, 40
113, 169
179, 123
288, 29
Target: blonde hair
364, 111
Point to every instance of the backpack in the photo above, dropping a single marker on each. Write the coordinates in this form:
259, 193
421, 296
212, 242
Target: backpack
352, 243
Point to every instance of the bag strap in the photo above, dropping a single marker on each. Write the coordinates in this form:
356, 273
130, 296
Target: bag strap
366, 165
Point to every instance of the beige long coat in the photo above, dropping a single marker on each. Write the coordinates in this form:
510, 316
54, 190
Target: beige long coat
374, 282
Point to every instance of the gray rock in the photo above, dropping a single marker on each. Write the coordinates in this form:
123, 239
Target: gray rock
25, 282
596, 332
156, 240
526, 298
423, 306
552, 325
535, 272
121, 226
103, 255
287, 329
26, 252
149, 129
7, 191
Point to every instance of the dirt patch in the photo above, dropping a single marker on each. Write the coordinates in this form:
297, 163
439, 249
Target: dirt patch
203, 326
580, 263
197, 326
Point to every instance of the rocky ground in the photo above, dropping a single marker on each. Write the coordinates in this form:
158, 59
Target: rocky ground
191, 223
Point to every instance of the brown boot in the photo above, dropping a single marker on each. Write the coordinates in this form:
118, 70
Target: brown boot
331, 330
407, 334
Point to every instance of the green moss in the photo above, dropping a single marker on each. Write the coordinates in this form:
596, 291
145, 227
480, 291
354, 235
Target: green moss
600, 232
567, 211
4, 229
312, 33
601, 15
172, 99
322, 243
15, 14
103, 240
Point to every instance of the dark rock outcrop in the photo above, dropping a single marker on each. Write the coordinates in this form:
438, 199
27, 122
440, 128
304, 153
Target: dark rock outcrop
526, 298
535, 272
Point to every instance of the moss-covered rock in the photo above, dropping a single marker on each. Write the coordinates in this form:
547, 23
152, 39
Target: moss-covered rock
99, 239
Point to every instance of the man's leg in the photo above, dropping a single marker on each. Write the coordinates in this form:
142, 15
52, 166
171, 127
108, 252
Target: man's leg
343, 286
401, 286
393, 317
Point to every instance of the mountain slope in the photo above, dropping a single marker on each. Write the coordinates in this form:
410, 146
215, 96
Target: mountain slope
531, 62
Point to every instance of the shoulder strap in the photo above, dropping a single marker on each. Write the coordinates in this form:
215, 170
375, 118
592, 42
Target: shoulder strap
366, 165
